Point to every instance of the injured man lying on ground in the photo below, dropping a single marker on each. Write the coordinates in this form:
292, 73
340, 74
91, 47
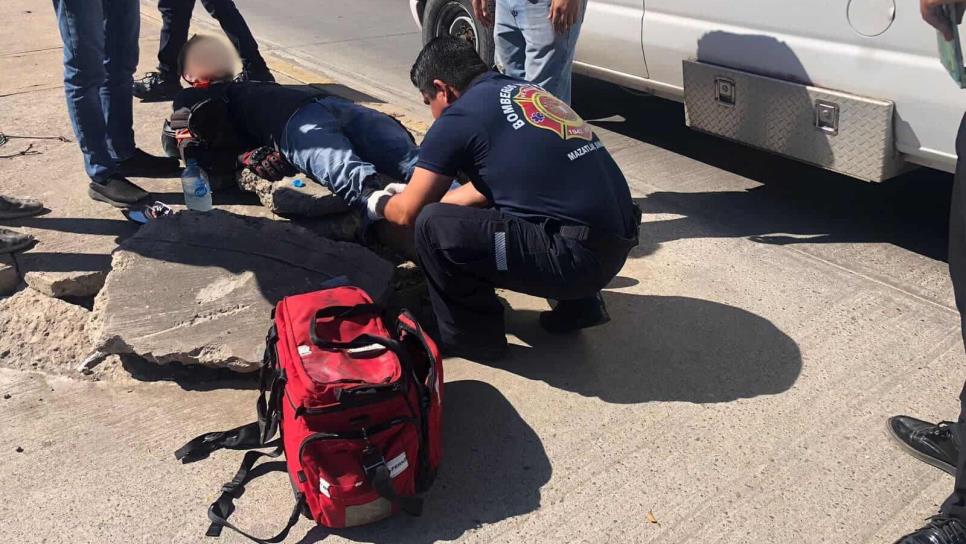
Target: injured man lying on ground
277, 130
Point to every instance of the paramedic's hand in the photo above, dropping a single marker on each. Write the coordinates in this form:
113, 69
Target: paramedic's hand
395, 188
267, 163
564, 14
481, 9
933, 14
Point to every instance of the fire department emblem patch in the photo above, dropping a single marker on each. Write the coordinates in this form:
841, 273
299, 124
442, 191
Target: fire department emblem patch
543, 110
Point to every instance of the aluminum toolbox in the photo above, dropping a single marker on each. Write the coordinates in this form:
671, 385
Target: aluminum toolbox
835, 130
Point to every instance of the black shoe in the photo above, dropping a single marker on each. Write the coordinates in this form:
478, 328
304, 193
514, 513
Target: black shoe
156, 87
118, 192
572, 315
932, 443
11, 207
939, 530
12, 241
260, 74
143, 165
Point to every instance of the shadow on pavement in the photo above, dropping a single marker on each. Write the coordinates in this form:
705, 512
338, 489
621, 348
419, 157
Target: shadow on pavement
660, 348
494, 466
795, 203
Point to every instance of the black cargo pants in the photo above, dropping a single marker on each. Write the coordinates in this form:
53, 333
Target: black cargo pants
955, 505
176, 18
466, 253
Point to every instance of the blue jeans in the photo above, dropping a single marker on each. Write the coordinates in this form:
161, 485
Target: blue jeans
528, 47
342, 145
100, 57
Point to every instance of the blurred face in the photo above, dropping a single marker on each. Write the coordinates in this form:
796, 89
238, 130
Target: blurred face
444, 96
209, 60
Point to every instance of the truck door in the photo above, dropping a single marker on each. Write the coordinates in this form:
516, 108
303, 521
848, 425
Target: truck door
611, 39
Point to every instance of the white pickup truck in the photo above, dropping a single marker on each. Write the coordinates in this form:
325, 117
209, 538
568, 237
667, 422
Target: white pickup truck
854, 86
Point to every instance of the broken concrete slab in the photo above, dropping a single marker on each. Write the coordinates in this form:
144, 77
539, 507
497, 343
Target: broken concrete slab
9, 276
42, 333
79, 284
288, 197
198, 288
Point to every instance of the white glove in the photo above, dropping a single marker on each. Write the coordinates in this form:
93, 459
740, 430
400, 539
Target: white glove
395, 188
376, 204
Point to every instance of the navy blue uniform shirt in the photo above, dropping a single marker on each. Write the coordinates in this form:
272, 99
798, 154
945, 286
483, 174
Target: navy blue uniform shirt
530, 154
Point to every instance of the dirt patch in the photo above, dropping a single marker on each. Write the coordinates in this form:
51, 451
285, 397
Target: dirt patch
42, 333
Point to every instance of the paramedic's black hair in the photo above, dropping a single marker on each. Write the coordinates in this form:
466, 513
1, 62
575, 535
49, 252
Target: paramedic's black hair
448, 59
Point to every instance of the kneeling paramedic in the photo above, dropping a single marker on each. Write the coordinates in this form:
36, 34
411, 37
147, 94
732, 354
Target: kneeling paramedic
547, 211
280, 130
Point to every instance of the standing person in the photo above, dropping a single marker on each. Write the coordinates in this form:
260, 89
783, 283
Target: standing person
535, 39
100, 55
176, 18
938, 444
547, 211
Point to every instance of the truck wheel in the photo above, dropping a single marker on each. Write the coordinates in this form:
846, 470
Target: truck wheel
455, 18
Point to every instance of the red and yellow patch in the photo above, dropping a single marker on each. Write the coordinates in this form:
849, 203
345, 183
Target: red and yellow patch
544, 110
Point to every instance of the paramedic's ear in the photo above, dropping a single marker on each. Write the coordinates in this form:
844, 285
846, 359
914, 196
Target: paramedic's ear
450, 94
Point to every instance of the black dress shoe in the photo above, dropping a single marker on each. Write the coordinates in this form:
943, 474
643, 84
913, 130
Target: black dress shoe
143, 165
156, 87
13, 207
12, 241
933, 443
939, 530
118, 192
572, 315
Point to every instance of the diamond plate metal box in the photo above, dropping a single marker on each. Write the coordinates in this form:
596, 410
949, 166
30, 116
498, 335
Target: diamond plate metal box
835, 130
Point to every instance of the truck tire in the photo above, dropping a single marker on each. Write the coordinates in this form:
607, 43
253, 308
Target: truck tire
455, 18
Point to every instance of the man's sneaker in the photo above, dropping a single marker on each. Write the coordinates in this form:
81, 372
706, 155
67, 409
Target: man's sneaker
156, 87
118, 192
572, 315
933, 443
939, 530
261, 74
12, 241
11, 207
143, 165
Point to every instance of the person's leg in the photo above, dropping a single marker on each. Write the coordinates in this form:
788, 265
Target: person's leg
467, 252
955, 505
549, 54
314, 143
377, 138
81, 25
510, 45
175, 22
235, 27
122, 24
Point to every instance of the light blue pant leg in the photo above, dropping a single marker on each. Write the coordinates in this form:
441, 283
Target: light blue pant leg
377, 138
122, 24
548, 54
315, 144
510, 50
81, 24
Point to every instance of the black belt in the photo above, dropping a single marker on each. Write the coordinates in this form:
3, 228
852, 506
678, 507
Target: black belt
597, 239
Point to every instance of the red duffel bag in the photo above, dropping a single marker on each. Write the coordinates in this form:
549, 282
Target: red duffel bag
357, 408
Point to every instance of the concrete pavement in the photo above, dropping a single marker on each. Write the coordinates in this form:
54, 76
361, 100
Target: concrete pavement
771, 320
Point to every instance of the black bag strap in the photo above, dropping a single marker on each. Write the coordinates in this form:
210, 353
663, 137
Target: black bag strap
380, 478
245, 437
224, 506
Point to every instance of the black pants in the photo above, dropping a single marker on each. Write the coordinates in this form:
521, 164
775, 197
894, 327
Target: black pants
468, 252
955, 505
176, 16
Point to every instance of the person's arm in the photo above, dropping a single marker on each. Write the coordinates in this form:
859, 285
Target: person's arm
564, 14
932, 13
467, 195
425, 187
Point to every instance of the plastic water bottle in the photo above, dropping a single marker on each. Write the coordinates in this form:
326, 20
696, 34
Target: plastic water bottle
197, 191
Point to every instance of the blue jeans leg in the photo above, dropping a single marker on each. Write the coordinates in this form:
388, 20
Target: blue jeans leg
510, 51
549, 55
81, 24
314, 143
122, 24
377, 138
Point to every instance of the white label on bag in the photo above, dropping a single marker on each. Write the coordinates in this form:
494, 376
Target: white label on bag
304, 350
397, 465
324, 487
